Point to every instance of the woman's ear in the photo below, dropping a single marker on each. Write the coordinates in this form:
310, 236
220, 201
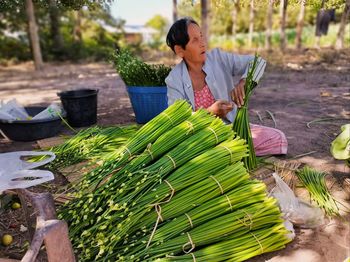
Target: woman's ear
179, 51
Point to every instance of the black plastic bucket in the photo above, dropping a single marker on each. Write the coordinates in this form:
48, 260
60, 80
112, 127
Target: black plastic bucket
80, 105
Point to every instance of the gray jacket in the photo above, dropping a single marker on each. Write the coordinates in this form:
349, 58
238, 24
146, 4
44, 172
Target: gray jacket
220, 68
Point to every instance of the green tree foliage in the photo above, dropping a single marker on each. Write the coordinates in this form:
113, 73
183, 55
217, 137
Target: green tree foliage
97, 42
159, 24
221, 10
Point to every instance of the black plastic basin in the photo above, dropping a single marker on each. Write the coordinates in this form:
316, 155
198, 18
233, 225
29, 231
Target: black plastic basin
31, 130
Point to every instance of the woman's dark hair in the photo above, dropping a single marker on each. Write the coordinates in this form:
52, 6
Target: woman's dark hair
177, 34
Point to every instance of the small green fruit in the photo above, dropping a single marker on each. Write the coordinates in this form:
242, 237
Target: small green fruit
7, 239
16, 205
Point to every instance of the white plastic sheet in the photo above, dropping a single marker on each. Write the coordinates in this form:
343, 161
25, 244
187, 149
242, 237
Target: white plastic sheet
51, 111
295, 210
18, 173
12, 110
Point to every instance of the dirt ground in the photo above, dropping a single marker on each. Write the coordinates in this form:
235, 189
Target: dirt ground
312, 86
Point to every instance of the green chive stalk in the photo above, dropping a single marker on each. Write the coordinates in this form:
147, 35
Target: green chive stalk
199, 212
239, 247
148, 133
196, 122
93, 143
143, 181
241, 122
192, 147
249, 218
173, 115
195, 170
171, 138
196, 144
198, 168
315, 183
230, 177
231, 201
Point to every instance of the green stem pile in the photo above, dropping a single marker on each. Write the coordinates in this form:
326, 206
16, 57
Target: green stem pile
94, 143
148, 133
239, 247
315, 183
196, 122
187, 191
241, 122
263, 216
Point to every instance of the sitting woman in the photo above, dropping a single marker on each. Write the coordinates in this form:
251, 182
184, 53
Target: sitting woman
205, 79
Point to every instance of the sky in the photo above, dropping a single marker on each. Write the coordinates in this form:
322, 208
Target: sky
138, 12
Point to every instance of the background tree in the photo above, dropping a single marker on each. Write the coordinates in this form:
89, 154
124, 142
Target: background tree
205, 10
77, 31
300, 25
268, 31
174, 10
235, 10
251, 23
283, 14
34, 37
159, 24
344, 18
56, 25
56, 36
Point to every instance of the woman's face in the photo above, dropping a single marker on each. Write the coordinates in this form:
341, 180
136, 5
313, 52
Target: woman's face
195, 48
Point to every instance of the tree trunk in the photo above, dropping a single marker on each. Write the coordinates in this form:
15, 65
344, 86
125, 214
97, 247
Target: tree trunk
300, 24
269, 25
174, 10
251, 24
77, 36
234, 18
283, 14
57, 40
340, 36
33, 35
205, 20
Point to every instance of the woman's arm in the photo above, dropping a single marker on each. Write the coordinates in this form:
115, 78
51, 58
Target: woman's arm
174, 90
238, 65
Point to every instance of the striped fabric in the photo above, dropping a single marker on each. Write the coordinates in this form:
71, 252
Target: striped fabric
268, 140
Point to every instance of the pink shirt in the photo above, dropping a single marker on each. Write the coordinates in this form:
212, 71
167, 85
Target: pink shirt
203, 98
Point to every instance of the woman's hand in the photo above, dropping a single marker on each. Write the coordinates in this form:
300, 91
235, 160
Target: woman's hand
238, 94
220, 108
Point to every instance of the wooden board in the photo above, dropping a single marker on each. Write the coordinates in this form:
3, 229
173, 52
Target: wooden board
50, 142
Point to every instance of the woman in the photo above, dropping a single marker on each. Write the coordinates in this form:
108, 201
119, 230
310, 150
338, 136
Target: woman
206, 80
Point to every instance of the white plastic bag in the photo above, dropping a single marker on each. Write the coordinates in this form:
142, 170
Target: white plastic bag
10, 162
24, 179
51, 111
15, 173
13, 111
295, 210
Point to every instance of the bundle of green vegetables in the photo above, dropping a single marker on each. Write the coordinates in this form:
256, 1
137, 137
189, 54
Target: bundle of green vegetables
241, 122
196, 122
163, 144
148, 133
94, 143
238, 247
186, 192
315, 183
125, 190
